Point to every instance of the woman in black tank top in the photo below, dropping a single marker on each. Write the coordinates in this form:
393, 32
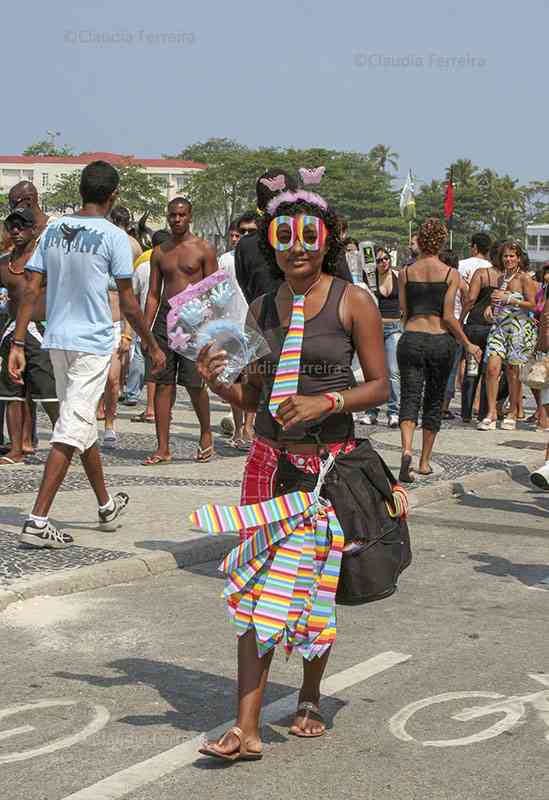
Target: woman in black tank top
339, 318
427, 347
477, 327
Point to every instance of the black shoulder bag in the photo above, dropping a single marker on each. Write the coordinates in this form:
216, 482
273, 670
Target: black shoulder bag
358, 486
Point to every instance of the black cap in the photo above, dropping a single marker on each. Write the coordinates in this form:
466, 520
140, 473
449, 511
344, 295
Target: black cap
24, 214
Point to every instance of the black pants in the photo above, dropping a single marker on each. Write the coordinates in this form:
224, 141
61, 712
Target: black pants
477, 334
425, 362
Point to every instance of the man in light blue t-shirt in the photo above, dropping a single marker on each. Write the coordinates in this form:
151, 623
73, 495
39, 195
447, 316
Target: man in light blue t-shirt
76, 257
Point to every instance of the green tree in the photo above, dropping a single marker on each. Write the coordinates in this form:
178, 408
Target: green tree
353, 184
141, 192
45, 148
227, 187
65, 192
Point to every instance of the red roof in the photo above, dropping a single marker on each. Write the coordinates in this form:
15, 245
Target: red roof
113, 158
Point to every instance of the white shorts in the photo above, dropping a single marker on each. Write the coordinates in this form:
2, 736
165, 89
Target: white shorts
80, 379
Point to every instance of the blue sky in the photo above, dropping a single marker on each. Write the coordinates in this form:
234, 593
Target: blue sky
299, 73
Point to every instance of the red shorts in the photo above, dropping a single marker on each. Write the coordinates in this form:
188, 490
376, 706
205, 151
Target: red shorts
261, 466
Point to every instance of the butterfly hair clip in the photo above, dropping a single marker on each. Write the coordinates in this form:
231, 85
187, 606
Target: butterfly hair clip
311, 177
276, 184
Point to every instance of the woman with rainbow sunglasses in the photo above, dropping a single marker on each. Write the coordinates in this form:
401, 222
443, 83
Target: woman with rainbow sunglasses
304, 396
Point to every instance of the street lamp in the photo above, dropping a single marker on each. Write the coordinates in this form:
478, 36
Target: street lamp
52, 135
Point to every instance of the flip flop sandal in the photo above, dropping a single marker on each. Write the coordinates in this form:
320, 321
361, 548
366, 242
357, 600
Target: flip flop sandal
308, 708
241, 444
203, 455
142, 418
8, 462
405, 474
153, 461
430, 471
242, 754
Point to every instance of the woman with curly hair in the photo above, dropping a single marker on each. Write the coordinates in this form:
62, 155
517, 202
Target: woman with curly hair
426, 350
513, 335
299, 237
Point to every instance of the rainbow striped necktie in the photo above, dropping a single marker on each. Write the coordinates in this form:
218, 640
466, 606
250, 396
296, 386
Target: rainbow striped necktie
287, 371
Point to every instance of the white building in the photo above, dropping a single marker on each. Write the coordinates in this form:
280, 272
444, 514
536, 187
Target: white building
44, 171
537, 244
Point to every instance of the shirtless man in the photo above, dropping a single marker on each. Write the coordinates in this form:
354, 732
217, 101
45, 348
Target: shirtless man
24, 195
38, 380
181, 260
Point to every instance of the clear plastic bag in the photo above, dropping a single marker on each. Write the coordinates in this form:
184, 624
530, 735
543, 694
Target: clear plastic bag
213, 311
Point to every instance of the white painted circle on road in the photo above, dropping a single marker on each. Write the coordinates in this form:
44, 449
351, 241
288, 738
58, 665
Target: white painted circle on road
100, 718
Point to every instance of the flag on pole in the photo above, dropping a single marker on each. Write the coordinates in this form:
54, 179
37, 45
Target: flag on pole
407, 198
449, 199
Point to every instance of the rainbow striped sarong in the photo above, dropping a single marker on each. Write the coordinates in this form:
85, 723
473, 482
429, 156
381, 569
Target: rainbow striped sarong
281, 580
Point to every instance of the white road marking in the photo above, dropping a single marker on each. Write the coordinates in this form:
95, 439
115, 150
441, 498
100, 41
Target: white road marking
100, 719
512, 715
129, 780
16, 731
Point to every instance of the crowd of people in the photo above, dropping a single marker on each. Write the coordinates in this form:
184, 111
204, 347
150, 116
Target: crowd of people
446, 323
87, 307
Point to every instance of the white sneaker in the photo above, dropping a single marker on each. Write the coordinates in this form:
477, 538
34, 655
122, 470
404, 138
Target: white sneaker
393, 421
487, 424
540, 477
367, 419
109, 438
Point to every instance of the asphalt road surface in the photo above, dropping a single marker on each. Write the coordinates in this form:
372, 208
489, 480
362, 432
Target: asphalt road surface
104, 693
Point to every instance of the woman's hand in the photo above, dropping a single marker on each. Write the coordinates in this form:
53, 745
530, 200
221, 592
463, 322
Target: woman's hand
488, 314
299, 408
499, 296
474, 351
124, 346
211, 365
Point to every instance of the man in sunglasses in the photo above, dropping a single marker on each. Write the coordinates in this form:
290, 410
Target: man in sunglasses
38, 380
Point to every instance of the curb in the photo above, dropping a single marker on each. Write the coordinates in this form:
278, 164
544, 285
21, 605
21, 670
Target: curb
471, 483
211, 548
123, 570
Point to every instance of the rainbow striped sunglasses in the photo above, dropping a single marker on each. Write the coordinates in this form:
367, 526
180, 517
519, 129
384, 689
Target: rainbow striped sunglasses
310, 231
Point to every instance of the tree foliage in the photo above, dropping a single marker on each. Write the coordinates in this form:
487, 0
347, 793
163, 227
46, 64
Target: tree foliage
64, 194
139, 192
45, 148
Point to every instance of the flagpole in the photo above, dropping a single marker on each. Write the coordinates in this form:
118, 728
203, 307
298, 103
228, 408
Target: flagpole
410, 232
451, 239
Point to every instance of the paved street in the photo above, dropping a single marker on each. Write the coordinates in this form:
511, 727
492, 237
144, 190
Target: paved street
105, 693
151, 665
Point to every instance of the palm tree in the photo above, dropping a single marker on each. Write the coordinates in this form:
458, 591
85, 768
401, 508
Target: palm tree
381, 155
464, 172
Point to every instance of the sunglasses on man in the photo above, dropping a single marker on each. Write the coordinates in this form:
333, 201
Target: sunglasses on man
18, 225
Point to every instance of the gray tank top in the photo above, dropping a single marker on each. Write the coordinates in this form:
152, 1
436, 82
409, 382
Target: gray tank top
326, 356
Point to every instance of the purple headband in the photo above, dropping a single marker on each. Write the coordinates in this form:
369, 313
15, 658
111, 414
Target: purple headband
293, 197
